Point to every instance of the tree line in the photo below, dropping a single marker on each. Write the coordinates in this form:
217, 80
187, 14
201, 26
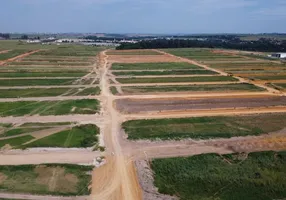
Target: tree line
265, 45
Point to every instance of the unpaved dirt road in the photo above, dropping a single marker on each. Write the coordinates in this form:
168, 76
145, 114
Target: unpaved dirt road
116, 180
18, 57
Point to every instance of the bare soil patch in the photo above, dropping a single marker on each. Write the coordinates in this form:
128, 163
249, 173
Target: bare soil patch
135, 106
56, 179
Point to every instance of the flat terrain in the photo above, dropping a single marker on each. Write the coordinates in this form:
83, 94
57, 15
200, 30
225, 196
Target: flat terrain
139, 104
49, 179
204, 127
233, 176
193, 104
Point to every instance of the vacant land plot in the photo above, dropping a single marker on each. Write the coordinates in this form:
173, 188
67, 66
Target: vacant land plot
177, 79
51, 63
157, 66
269, 77
50, 179
133, 52
191, 88
84, 106
205, 127
49, 92
254, 176
33, 82
78, 136
40, 74
202, 54
163, 72
141, 105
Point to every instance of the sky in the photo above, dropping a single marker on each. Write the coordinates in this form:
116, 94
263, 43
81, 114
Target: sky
143, 16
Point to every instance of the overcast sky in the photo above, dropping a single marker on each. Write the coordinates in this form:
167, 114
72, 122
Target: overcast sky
143, 16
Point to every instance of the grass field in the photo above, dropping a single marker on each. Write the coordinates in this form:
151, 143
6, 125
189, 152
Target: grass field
34, 82
70, 180
269, 77
192, 88
51, 63
259, 175
177, 79
157, 73
40, 74
204, 127
49, 92
16, 141
157, 66
81, 136
84, 106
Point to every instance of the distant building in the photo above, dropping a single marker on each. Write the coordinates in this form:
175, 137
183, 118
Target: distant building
278, 55
33, 41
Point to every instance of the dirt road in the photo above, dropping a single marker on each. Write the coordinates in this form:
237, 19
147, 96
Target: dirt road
117, 179
56, 98
18, 57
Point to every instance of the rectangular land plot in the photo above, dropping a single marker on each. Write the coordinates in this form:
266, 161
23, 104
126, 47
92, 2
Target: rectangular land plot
81, 136
177, 79
40, 74
204, 127
259, 175
164, 72
157, 66
48, 92
192, 88
133, 52
21, 108
195, 104
71, 180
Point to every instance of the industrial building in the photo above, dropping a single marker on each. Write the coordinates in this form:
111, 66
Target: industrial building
278, 55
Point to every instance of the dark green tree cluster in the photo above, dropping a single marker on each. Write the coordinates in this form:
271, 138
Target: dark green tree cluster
265, 45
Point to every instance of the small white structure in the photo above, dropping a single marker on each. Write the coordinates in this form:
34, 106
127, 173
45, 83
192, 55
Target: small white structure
278, 55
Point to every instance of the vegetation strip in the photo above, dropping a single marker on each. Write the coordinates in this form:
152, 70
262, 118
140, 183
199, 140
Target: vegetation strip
21, 108
146, 66
204, 127
235, 176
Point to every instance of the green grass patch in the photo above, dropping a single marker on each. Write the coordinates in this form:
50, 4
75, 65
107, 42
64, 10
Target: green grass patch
158, 73
39, 74
70, 180
20, 108
177, 79
79, 136
48, 92
18, 131
35, 82
193, 88
204, 127
157, 66
259, 175
16, 141
113, 90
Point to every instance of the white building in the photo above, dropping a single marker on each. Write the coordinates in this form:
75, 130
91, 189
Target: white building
278, 55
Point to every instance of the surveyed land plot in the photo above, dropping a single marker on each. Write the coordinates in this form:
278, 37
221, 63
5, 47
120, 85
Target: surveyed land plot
164, 72
196, 104
237, 87
12, 53
235, 176
133, 52
46, 82
177, 79
205, 127
49, 92
48, 179
21, 108
40, 74
157, 66
64, 135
